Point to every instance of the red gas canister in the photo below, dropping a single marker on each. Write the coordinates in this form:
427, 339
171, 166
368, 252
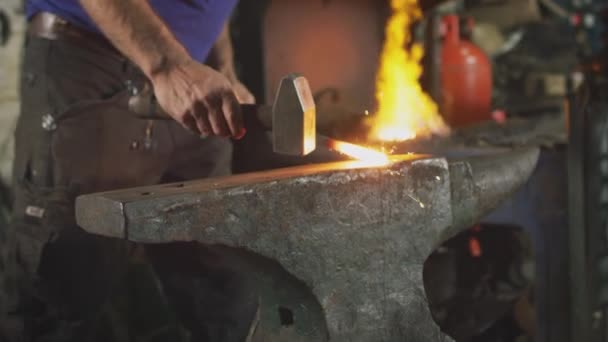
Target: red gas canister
466, 78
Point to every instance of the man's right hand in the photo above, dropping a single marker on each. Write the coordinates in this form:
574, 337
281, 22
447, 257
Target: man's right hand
195, 95
199, 98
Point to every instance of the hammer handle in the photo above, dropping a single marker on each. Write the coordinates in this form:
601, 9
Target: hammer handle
256, 115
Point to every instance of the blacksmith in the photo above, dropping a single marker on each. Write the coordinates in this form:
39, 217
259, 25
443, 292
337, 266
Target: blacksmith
87, 124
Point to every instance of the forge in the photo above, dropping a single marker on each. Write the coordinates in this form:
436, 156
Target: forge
348, 240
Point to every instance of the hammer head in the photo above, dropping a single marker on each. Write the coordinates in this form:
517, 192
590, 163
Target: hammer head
294, 117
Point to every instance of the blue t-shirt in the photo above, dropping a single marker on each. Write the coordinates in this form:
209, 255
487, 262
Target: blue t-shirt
195, 23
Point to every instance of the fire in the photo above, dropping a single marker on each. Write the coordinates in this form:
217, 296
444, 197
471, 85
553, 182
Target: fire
404, 110
370, 156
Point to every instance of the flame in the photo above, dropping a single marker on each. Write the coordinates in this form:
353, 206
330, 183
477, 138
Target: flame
404, 110
367, 155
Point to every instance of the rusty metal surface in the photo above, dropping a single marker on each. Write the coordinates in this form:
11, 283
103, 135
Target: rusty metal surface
356, 237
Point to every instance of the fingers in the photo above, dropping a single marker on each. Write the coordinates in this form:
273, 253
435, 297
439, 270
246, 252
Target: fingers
243, 94
189, 122
217, 117
247, 98
232, 114
206, 104
202, 100
201, 116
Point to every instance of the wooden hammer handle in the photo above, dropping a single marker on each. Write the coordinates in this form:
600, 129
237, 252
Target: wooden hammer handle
254, 115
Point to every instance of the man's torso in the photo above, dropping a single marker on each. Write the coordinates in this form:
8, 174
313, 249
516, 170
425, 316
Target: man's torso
195, 23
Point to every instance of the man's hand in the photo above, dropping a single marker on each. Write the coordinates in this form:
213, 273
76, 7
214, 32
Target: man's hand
221, 58
242, 93
200, 98
195, 95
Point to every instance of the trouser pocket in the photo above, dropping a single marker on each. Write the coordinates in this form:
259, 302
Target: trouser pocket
40, 214
53, 161
48, 173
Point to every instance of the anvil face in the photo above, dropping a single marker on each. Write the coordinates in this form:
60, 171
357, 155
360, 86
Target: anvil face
357, 237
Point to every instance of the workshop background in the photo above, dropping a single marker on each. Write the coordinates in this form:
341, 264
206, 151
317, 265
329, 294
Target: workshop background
527, 271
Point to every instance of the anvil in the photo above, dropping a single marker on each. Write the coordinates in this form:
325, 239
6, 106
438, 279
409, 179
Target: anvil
350, 238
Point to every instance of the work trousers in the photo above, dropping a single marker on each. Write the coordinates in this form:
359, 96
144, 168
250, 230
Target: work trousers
76, 135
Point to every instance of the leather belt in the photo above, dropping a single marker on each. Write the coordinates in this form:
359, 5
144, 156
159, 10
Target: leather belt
50, 26
141, 95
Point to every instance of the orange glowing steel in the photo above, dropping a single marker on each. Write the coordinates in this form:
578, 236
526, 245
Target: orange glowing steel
404, 110
369, 156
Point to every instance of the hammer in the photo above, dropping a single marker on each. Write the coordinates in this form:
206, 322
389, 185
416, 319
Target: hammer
292, 117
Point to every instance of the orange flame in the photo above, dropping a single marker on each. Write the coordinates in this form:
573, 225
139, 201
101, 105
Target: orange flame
369, 156
404, 110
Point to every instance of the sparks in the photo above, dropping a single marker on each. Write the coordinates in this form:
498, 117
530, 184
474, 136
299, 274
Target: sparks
417, 201
404, 110
368, 155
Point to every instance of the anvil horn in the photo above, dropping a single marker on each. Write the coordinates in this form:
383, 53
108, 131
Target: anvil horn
480, 183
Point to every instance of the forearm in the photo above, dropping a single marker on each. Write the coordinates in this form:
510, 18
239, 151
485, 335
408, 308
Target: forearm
198, 97
134, 28
221, 56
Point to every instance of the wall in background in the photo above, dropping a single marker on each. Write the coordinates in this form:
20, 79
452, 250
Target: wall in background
334, 43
